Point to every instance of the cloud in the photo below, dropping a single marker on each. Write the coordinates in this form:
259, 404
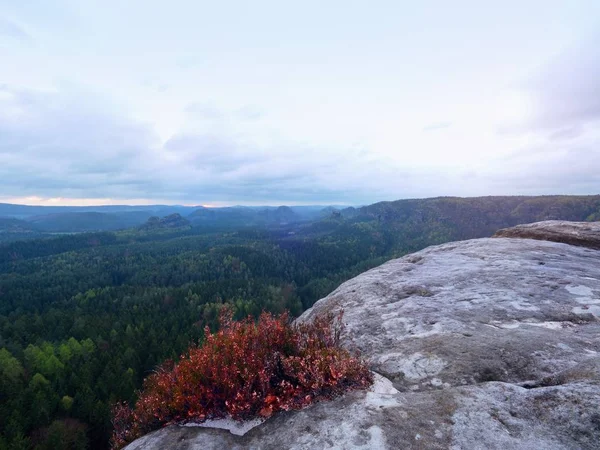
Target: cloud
249, 112
436, 126
564, 92
70, 143
208, 111
565, 133
566, 161
12, 30
555, 122
211, 152
204, 111
574, 171
52, 143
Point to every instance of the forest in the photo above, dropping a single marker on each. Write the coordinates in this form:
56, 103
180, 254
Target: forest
86, 317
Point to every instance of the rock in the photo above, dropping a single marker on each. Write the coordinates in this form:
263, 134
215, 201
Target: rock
480, 344
467, 312
584, 234
487, 416
171, 221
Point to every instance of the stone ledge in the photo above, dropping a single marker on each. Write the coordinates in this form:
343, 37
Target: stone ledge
582, 234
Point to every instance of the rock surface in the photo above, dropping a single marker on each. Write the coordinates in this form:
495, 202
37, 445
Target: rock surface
481, 344
584, 234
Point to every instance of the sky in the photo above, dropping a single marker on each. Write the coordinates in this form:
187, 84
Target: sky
312, 102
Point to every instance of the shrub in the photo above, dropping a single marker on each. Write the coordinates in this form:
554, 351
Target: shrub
246, 370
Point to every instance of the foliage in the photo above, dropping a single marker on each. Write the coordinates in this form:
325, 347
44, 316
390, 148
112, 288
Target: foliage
66, 434
247, 369
26, 249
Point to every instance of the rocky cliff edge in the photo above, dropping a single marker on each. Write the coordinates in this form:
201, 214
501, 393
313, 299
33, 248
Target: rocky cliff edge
480, 344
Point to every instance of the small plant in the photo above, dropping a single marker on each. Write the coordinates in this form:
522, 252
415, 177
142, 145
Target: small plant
248, 369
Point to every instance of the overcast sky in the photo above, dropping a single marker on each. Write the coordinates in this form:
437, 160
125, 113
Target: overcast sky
307, 102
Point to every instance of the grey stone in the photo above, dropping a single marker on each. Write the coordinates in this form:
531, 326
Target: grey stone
473, 311
585, 234
480, 344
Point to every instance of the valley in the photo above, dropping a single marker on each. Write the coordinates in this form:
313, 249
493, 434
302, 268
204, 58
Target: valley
86, 316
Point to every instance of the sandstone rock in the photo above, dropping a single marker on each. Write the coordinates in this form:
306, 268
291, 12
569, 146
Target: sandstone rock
473, 311
584, 234
481, 344
491, 415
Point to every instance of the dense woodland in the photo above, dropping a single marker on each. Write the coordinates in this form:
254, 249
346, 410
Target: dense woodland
84, 318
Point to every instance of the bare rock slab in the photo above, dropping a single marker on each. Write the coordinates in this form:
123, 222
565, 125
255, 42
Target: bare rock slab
468, 312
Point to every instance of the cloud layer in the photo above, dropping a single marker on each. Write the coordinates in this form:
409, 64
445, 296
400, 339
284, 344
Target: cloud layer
267, 115
565, 91
11, 30
68, 143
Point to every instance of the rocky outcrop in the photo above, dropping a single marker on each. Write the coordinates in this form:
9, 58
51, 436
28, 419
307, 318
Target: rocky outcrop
171, 221
584, 234
474, 311
481, 344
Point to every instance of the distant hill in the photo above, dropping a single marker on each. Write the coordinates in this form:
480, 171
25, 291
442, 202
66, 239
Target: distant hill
70, 219
24, 211
171, 221
240, 216
280, 215
442, 219
14, 229
73, 222
9, 224
482, 212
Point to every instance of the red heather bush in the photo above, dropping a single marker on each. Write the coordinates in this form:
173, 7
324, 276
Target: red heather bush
246, 370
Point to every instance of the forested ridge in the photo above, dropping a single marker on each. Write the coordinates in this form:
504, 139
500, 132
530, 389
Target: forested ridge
84, 318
